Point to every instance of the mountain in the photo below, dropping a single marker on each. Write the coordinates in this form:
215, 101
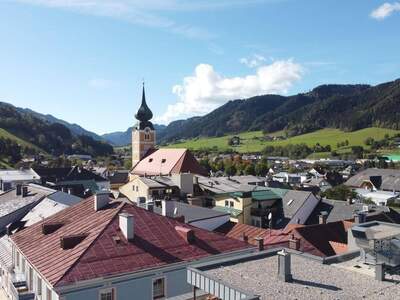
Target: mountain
40, 135
346, 107
123, 138
74, 128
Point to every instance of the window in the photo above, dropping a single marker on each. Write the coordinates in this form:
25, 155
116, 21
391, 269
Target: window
226, 203
48, 294
17, 259
163, 160
39, 286
158, 288
107, 294
232, 204
23, 265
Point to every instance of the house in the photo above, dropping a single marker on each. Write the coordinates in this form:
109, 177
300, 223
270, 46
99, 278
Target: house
158, 187
37, 204
104, 249
118, 178
74, 180
319, 183
289, 178
9, 179
164, 162
329, 210
200, 217
378, 197
376, 179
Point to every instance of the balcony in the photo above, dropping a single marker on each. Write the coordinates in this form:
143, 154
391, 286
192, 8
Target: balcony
18, 288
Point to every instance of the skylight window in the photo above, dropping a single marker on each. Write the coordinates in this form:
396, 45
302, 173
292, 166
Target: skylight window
290, 202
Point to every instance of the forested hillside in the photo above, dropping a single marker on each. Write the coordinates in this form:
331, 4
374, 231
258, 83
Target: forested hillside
52, 138
346, 107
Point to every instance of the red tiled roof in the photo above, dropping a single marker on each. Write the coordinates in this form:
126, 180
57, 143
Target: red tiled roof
168, 161
156, 243
271, 237
319, 239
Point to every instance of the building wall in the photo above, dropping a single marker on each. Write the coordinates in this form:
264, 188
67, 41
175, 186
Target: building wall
134, 189
134, 288
140, 145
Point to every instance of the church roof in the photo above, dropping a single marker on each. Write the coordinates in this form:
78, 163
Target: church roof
144, 114
168, 161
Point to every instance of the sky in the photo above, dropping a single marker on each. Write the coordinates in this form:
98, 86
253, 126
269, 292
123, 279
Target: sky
84, 60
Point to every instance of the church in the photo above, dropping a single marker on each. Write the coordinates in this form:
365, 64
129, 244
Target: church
147, 160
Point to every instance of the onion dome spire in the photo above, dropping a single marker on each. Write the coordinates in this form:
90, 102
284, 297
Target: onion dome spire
144, 114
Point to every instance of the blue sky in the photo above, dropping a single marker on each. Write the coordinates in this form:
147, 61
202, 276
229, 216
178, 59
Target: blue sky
84, 62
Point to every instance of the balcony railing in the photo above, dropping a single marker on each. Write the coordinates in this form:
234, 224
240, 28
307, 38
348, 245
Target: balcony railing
18, 289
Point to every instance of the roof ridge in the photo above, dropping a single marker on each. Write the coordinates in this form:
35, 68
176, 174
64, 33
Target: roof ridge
117, 210
178, 160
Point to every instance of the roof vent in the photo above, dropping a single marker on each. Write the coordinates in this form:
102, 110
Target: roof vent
48, 228
163, 160
186, 233
24, 191
71, 241
101, 199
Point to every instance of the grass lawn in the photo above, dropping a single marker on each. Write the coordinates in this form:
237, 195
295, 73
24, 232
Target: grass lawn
252, 142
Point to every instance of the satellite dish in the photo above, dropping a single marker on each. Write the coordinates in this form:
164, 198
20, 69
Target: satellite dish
269, 216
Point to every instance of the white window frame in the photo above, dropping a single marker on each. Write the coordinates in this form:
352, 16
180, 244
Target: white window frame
164, 278
39, 287
107, 290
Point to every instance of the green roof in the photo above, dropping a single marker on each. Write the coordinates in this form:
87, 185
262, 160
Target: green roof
280, 192
265, 195
232, 211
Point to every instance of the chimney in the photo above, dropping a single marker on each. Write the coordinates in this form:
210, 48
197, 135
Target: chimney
101, 199
168, 208
186, 233
245, 238
127, 225
323, 217
18, 190
284, 266
24, 191
260, 243
70, 191
380, 271
294, 243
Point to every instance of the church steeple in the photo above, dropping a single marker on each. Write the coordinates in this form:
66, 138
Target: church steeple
143, 134
144, 114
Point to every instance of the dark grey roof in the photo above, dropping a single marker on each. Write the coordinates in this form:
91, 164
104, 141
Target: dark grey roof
340, 210
64, 198
10, 202
390, 178
223, 185
292, 201
193, 213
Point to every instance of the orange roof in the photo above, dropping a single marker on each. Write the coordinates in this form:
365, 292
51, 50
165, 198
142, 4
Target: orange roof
168, 161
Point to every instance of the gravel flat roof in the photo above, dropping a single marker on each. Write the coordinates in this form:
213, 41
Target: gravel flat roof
311, 280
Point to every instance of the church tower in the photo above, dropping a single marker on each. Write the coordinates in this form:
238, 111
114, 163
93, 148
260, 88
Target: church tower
143, 134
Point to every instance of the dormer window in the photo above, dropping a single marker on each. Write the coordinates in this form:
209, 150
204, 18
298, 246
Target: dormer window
150, 160
163, 160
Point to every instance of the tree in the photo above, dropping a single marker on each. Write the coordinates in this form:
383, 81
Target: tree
261, 168
250, 169
340, 192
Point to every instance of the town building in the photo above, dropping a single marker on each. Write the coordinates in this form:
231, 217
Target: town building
376, 179
105, 249
74, 180
9, 179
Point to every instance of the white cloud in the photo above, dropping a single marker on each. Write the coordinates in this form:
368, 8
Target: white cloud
101, 83
144, 12
385, 10
206, 89
254, 61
